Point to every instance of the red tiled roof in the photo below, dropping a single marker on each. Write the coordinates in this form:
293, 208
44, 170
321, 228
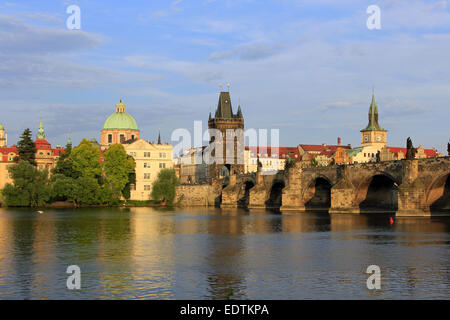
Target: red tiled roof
430, 153
279, 153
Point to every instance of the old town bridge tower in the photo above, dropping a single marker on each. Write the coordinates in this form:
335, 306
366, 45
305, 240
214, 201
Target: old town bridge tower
232, 124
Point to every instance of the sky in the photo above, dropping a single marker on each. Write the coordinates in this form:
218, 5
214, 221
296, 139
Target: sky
305, 67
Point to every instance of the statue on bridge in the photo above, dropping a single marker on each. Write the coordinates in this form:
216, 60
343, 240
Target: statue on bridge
410, 151
378, 156
448, 148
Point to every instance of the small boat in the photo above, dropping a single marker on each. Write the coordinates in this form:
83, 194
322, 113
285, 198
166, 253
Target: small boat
40, 212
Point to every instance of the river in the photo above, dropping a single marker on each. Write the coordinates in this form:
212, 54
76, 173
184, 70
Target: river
145, 253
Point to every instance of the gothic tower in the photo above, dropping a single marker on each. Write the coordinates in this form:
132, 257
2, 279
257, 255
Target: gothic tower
225, 120
373, 134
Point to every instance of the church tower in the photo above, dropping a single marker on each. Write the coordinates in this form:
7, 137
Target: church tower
224, 119
3, 136
373, 134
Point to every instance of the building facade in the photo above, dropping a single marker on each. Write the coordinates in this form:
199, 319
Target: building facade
150, 158
272, 159
119, 127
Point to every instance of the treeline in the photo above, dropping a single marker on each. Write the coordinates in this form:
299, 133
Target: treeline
79, 176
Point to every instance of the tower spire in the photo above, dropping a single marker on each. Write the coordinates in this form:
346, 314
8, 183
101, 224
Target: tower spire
159, 136
41, 131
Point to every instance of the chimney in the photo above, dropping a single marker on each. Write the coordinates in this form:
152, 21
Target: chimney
339, 141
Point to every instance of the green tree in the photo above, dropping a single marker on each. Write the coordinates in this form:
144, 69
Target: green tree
30, 186
314, 162
289, 163
118, 167
164, 186
126, 192
85, 160
87, 191
27, 148
63, 188
64, 165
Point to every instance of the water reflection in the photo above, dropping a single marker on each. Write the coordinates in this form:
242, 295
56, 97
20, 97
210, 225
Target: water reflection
143, 253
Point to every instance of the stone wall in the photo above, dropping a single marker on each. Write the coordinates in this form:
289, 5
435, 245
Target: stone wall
204, 195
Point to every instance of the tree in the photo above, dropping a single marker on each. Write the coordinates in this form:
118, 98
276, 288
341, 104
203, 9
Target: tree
118, 167
164, 186
64, 165
314, 162
289, 163
30, 186
27, 148
63, 188
85, 160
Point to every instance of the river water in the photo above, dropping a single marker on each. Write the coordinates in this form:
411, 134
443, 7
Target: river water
144, 253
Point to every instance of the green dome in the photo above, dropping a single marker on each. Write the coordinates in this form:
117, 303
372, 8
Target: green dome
120, 120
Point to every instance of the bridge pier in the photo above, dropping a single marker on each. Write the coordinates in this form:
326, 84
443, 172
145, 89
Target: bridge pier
258, 194
412, 193
343, 198
292, 201
230, 194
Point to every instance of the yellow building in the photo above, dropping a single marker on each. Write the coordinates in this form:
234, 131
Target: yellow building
150, 158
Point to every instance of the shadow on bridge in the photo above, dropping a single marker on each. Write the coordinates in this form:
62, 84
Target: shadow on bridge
440, 195
319, 195
275, 198
245, 199
379, 195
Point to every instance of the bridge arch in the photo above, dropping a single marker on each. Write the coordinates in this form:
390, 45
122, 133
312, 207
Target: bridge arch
317, 194
438, 194
275, 193
378, 193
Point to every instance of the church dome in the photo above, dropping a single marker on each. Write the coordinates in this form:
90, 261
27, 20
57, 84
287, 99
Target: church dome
120, 120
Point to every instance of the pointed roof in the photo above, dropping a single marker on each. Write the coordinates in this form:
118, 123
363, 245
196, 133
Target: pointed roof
159, 136
41, 132
373, 117
224, 109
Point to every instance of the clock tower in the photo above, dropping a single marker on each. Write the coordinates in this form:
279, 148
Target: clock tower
373, 134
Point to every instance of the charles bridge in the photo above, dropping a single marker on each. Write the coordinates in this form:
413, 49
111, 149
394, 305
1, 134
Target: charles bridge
419, 187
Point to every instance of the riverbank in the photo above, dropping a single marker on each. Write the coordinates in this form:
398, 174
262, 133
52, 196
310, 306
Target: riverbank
128, 204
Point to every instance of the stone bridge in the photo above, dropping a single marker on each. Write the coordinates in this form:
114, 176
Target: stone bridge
406, 187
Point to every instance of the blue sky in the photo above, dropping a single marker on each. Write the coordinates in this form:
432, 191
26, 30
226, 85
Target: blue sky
305, 67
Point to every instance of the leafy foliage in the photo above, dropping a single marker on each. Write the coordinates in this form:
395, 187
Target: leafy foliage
85, 160
30, 188
289, 163
118, 167
164, 186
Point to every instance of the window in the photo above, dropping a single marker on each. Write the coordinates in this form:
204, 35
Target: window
132, 137
162, 154
109, 138
147, 154
133, 187
133, 154
122, 138
146, 165
147, 187
162, 165
146, 176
